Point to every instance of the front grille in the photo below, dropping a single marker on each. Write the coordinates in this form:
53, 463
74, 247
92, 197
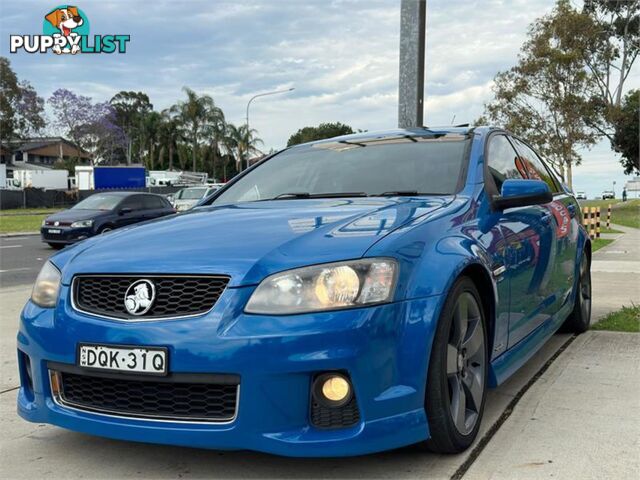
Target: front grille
148, 398
335, 417
50, 223
175, 296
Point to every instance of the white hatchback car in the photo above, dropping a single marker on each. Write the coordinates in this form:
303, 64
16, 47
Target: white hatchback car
188, 197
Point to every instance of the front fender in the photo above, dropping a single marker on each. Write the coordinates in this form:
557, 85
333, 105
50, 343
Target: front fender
431, 261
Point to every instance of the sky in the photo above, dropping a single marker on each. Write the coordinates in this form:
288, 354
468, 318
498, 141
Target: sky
341, 56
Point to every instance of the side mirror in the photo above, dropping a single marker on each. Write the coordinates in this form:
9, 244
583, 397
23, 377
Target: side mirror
522, 193
125, 210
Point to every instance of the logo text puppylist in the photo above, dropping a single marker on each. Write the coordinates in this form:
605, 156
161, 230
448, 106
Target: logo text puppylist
66, 30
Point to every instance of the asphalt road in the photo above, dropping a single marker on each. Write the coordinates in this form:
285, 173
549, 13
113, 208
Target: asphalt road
21, 259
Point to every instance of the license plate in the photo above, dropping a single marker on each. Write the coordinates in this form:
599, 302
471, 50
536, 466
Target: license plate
149, 360
55, 230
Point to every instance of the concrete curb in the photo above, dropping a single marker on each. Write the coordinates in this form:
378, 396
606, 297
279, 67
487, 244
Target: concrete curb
18, 234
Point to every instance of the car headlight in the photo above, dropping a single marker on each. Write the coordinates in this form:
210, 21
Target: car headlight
325, 287
82, 224
45, 290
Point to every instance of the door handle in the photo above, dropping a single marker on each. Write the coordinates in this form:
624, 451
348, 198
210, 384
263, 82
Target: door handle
572, 210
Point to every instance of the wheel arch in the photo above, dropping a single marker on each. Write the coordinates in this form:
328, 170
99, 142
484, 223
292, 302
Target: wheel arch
484, 283
104, 225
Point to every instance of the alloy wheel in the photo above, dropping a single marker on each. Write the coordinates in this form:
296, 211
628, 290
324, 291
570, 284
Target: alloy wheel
585, 289
466, 358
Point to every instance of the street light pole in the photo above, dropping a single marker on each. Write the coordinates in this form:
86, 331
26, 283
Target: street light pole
411, 85
262, 95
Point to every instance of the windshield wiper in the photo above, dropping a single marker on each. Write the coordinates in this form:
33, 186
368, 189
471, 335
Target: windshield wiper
287, 196
400, 193
303, 195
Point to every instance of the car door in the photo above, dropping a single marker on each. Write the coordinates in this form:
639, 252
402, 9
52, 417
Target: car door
154, 207
132, 211
528, 238
565, 226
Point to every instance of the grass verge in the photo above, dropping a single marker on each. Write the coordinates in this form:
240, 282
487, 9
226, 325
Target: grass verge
609, 230
21, 223
622, 213
625, 320
29, 211
24, 219
598, 243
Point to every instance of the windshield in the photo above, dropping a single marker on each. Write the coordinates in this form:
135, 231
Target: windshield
192, 193
98, 202
376, 166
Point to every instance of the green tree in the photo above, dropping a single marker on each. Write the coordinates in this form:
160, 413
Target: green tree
169, 136
627, 126
150, 137
322, 131
242, 143
21, 109
213, 131
547, 97
610, 39
131, 109
194, 114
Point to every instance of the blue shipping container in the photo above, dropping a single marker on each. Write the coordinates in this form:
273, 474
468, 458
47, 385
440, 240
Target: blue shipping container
119, 177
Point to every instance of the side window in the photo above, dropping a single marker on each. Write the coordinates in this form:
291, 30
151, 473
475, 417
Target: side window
134, 203
502, 161
151, 203
530, 162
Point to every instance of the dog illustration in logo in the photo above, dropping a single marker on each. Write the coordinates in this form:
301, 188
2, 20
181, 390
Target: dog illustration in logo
140, 301
65, 19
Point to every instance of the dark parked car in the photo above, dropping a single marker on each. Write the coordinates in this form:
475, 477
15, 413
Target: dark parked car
100, 213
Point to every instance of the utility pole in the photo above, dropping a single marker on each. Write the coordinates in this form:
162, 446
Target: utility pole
413, 15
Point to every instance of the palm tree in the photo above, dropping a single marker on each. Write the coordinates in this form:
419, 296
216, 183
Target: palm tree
243, 142
150, 135
193, 114
214, 129
169, 133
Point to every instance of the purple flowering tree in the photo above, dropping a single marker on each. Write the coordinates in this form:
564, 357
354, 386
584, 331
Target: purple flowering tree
89, 125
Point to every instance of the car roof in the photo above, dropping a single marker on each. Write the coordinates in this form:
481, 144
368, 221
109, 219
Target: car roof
398, 132
116, 194
125, 194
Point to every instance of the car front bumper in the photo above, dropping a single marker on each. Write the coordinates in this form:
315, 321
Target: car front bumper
384, 350
66, 236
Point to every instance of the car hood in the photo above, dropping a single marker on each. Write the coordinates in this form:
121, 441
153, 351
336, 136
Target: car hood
248, 241
72, 215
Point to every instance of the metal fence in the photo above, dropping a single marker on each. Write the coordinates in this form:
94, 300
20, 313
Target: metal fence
40, 198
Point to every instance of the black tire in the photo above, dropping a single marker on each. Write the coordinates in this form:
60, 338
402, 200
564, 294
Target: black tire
579, 319
459, 388
56, 246
105, 229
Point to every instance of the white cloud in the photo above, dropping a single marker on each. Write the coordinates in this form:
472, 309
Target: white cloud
340, 55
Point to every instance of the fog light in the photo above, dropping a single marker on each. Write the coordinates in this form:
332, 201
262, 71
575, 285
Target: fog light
335, 389
332, 390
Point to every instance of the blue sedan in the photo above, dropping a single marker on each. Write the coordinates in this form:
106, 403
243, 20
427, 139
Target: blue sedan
342, 297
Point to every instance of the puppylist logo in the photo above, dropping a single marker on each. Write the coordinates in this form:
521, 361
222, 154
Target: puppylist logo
66, 31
